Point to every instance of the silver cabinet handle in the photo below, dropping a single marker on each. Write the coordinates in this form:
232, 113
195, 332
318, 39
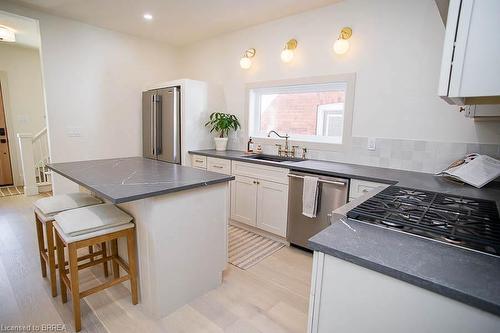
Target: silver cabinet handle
218, 166
320, 180
153, 134
199, 161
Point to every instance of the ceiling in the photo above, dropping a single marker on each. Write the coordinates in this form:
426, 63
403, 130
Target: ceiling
26, 29
176, 22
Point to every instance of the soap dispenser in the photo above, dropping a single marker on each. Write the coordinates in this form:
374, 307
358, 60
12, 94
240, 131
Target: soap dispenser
250, 145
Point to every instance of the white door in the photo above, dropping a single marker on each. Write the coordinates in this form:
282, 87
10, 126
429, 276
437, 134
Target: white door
244, 200
272, 207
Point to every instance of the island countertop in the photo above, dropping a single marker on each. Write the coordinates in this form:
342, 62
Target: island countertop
121, 180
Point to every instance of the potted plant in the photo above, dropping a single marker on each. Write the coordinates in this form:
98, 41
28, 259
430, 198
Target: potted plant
222, 123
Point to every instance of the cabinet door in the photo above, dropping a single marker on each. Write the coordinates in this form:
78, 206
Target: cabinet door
244, 200
476, 65
272, 205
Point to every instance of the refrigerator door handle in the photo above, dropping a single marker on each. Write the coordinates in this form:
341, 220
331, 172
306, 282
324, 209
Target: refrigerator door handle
152, 125
159, 125
176, 120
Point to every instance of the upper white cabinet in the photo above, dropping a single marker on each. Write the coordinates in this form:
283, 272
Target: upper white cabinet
470, 67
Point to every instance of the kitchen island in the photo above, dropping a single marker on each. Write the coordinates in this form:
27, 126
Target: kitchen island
181, 219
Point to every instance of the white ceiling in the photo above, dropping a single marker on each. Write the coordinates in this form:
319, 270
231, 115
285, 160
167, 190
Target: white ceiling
26, 29
176, 22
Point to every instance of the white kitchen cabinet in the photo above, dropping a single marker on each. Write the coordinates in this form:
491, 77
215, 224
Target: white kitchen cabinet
470, 66
360, 187
199, 162
259, 196
244, 200
346, 297
219, 165
272, 207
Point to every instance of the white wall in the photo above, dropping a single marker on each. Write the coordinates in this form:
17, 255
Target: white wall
395, 53
21, 79
93, 81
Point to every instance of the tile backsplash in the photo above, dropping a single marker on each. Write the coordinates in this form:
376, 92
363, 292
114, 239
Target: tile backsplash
422, 156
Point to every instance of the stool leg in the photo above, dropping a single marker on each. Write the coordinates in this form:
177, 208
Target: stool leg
114, 253
104, 264
49, 228
62, 267
132, 264
75, 289
91, 250
41, 245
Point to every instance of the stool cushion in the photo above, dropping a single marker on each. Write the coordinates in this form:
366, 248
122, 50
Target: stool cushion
84, 220
58, 203
70, 239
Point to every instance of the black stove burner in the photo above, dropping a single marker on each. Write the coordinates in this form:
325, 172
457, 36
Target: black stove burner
471, 223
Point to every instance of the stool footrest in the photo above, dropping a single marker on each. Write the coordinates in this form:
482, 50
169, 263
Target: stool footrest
103, 286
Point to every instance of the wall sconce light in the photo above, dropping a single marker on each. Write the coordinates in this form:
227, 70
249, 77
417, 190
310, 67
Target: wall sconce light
7, 34
341, 45
287, 53
245, 61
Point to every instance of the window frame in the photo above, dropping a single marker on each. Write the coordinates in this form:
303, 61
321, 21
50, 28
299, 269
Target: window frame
253, 115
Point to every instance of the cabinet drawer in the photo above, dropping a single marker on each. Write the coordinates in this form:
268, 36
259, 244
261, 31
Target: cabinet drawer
264, 172
219, 165
199, 162
360, 187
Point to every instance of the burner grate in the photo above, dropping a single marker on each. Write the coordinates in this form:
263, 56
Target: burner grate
471, 223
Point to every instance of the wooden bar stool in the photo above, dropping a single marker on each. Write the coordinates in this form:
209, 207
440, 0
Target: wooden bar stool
88, 226
45, 210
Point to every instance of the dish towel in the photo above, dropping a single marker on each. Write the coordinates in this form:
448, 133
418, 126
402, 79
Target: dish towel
310, 196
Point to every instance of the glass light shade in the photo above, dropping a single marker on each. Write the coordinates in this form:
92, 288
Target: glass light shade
245, 63
7, 35
341, 46
286, 55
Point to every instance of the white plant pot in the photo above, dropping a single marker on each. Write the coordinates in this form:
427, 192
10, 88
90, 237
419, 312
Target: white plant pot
220, 143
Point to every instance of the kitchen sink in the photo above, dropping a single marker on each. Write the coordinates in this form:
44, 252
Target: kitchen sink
273, 158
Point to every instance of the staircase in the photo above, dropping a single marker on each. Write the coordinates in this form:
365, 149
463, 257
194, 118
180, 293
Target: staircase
34, 159
42, 158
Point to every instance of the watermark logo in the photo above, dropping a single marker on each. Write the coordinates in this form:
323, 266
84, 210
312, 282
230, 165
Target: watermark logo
33, 328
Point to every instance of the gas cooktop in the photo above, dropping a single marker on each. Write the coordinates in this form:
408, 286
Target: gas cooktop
466, 222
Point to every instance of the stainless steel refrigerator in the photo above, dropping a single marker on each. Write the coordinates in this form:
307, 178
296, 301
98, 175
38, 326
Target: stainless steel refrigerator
161, 138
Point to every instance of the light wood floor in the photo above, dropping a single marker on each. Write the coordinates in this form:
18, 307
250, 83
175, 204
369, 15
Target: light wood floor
272, 296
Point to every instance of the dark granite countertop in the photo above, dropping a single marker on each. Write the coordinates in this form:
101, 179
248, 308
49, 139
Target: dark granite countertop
417, 180
467, 276
126, 179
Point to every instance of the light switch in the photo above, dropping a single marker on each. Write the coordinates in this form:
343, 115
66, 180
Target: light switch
74, 132
371, 144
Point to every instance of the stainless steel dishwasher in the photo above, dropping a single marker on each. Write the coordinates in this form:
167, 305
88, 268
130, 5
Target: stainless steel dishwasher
332, 193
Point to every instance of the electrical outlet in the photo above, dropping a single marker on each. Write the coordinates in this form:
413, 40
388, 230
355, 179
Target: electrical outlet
371, 144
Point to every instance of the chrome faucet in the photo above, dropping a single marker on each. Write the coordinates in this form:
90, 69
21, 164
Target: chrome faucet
281, 151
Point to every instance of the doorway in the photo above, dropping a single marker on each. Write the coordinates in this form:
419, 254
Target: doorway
5, 165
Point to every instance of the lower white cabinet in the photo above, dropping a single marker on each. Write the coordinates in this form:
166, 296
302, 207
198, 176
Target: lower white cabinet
244, 200
346, 297
360, 187
259, 202
272, 207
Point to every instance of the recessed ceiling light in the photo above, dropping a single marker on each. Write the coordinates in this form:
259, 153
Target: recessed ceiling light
148, 16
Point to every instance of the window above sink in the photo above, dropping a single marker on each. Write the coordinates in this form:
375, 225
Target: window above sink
316, 112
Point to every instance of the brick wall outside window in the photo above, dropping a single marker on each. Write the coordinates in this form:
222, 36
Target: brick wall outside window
296, 113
